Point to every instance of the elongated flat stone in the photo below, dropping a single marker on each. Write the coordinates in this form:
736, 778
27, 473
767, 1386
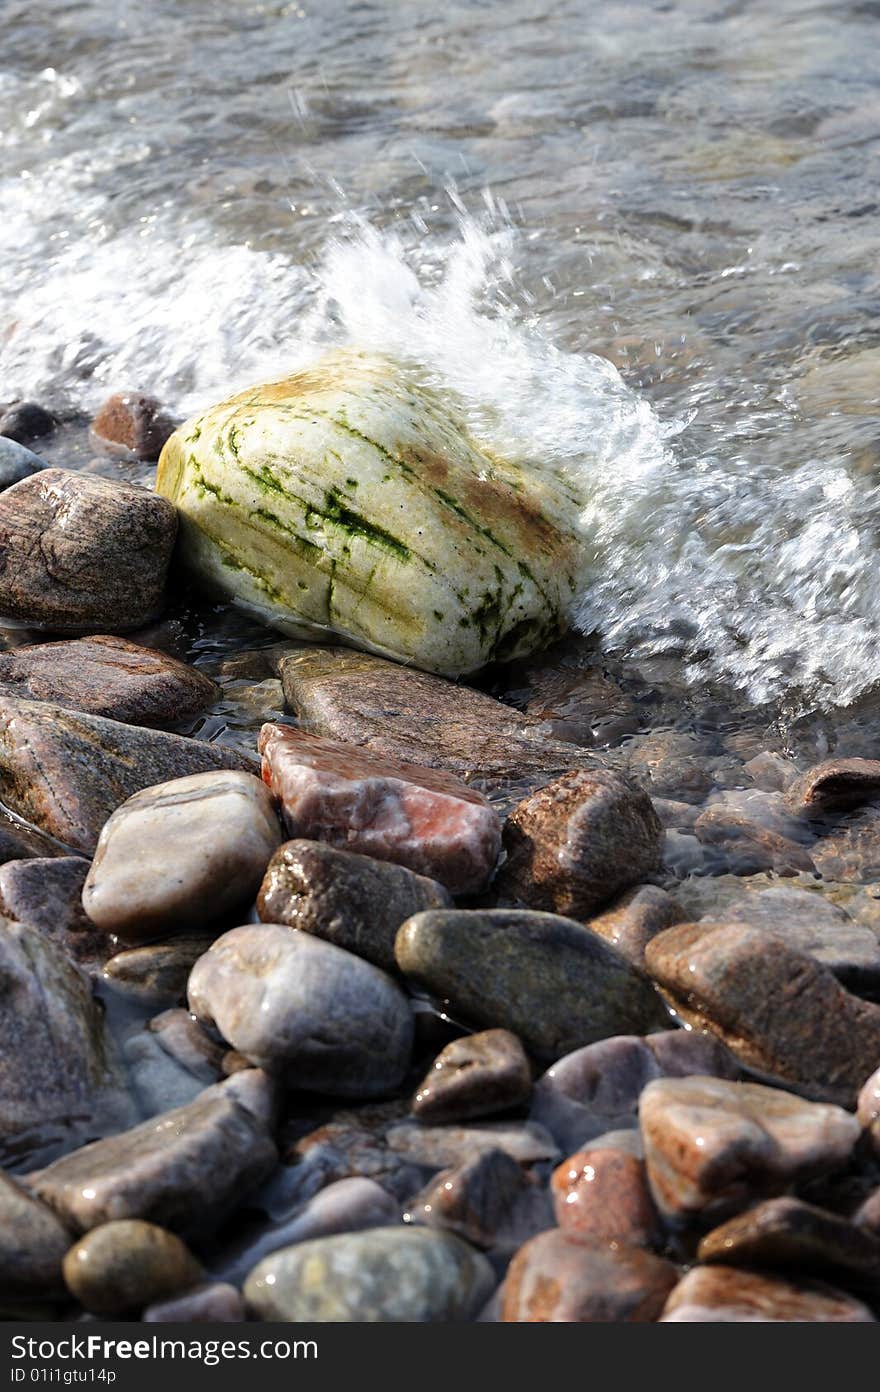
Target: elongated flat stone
400, 713
786, 1233
47, 895
66, 772
426, 820
724, 1294
33, 1241
834, 784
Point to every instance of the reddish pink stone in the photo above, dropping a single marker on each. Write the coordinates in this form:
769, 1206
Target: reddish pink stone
421, 818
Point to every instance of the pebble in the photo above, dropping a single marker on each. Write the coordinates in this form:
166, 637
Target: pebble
405, 715
24, 421
723, 1294
181, 855
417, 817
137, 422
81, 553
577, 842
546, 979
350, 1145
66, 772
631, 921
16, 463
184, 1040
748, 846
770, 771
438, 1146
474, 1077
780, 1012
122, 1266
553, 1279
670, 764
602, 1196
47, 895
185, 1169
156, 974
398, 1274
107, 676
786, 1233
33, 1242
851, 852
325, 1020
713, 1146
211, 1303
490, 1201
834, 785
351, 900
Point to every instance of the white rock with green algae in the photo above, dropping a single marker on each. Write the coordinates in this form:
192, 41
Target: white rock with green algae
348, 501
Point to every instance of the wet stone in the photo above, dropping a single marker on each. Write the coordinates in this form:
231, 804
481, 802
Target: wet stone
631, 921
717, 1294
491, 1201
770, 771
184, 1040
417, 817
603, 1196
47, 895
546, 979
748, 846
868, 1110
320, 1017
79, 553
401, 714
820, 930
137, 422
156, 974
553, 1279
66, 772
851, 852
122, 1266
107, 676
713, 1146
16, 463
834, 785
786, 1233
474, 1077
211, 1303
185, 1169
780, 1012
438, 1146
24, 421
346, 1147
399, 1274
670, 764
181, 854
20, 842
33, 1242
157, 1080
354, 901
574, 844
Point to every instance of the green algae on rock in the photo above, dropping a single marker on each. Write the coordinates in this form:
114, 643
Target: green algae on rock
347, 501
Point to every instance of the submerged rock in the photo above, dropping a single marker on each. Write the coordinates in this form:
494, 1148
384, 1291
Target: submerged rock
66, 772
553, 1279
833, 785
851, 852
122, 1266
181, 854
354, 901
547, 979
320, 1017
399, 1274
420, 818
109, 677
473, 1077
718, 1294
79, 553
348, 500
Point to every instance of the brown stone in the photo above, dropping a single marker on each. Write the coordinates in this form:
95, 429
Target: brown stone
834, 784
634, 919
670, 764
473, 1077
107, 676
79, 553
574, 844
555, 1280
155, 974
66, 772
602, 1196
122, 1266
780, 1012
491, 1201
749, 846
47, 895
717, 1294
851, 852
137, 422
787, 1233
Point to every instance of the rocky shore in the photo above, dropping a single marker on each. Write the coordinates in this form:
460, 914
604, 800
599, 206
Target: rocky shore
335, 989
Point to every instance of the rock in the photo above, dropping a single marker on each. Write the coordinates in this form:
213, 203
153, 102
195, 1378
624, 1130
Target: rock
184, 1040
182, 854
634, 919
402, 714
400, 1274
137, 422
47, 895
348, 1205
349, 1146
474, 1077
833, 785
602, 1196
713, 1146
67, 772
576, 843
57, 1076
79, 553
818, 929
25, 421
490, 1201
670, 764
748, 846
555, 1280
21, 842
212, 1303
156, 975
425, 820
851, 852
547, 979
770, 771
869, 1100
350, 501
723, 1294
780, 1012
354, 901
157, 1080
16, 463
577, 704
122, 1266
786, 1233
32, 1244
597, 1089
320, 1017
438, 1146
185, 1169
675, 816
109, 677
